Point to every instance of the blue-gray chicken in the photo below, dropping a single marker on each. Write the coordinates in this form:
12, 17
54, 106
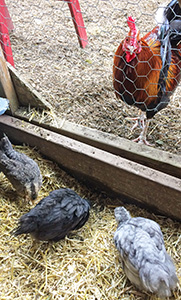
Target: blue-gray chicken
55, 216
143, 255
22, 171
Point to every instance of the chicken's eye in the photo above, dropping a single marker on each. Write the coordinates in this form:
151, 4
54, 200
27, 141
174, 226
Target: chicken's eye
127, 40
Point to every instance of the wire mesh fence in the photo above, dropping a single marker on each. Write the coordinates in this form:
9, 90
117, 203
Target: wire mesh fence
78, 82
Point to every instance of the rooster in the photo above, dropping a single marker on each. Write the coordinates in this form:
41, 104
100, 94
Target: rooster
146, 70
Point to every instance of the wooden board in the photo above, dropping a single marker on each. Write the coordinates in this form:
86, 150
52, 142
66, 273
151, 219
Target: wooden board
157, 159
6, 84
27, 96
116, 174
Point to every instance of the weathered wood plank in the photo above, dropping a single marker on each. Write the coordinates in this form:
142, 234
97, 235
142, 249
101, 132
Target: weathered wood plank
7, 84
119, 175
26, 94
157, 159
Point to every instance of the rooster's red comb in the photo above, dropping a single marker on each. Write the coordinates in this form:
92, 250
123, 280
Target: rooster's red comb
132, 26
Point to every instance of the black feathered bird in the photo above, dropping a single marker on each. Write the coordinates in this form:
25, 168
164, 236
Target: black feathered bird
144, 258
22, 171
55, 216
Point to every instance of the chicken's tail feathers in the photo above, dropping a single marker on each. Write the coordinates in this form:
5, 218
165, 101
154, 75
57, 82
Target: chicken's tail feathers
173, 277
159, 279
21, 230
164, 289
5, 145
169, 19
26, 225
173, 16
16, 231
172, 11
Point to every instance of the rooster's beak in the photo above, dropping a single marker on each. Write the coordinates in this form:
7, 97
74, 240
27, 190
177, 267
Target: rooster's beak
131, 49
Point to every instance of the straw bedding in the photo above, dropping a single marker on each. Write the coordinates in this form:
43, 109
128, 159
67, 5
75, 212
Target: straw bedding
85, 265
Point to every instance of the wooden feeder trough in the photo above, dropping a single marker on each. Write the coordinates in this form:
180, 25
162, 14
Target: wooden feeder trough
143, 175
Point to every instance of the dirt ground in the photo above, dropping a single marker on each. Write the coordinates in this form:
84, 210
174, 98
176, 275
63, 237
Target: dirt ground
78, 82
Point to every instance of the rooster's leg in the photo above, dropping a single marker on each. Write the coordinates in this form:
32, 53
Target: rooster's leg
142, 137
140, 121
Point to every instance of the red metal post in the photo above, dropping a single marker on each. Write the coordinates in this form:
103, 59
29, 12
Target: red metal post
7, 17
5, 25
76, 14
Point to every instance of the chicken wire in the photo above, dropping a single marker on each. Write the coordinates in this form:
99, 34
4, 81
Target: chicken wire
78, 82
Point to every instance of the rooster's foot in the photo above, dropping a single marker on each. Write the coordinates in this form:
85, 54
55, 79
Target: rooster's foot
142, 141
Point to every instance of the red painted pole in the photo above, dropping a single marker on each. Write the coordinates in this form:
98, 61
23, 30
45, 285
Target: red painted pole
7, 17
5, 25
77, 18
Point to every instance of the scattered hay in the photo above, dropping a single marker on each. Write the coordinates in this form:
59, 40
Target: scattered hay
84, 265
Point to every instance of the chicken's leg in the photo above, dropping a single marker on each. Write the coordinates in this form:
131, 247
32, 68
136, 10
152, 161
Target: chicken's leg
140, 121
142, 137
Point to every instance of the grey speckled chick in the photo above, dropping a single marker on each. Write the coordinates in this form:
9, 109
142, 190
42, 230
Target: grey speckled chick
55, 216
144, 258
22, 171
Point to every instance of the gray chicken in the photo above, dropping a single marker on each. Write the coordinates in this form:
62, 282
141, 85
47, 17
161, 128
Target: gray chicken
55, 216
22, 171
143, 255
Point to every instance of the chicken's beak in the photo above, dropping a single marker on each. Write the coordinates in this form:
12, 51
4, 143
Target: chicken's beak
131, 49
